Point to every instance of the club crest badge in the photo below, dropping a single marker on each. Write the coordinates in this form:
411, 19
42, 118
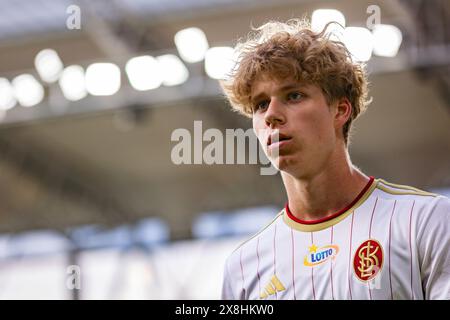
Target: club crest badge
368, 260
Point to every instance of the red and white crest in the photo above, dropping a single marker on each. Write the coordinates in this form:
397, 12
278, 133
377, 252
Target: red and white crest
368, 260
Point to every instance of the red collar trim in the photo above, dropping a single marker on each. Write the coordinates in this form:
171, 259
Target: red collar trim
334, 215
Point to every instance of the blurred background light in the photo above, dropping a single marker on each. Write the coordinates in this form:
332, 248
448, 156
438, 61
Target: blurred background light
48, 65
151, 231
245, 221
72, 83
219, 62
7, 99
321, 17
173, 70
27, 90
35, 243
144, 73
387, 40
102, 79
191, 44
92, 237
209, 225
359, 41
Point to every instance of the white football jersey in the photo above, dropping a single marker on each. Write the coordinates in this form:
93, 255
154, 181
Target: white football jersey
391, 242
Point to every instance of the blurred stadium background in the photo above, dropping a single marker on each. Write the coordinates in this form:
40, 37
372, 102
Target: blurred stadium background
86, 176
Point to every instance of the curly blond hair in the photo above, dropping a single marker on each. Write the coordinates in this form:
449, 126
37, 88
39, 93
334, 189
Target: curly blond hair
292, 50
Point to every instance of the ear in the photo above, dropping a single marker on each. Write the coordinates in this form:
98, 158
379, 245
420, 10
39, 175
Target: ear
343, 112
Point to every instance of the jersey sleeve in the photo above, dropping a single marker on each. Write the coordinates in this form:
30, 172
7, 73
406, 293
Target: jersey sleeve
434, 250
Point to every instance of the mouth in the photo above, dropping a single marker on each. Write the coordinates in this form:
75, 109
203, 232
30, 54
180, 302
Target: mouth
277, 138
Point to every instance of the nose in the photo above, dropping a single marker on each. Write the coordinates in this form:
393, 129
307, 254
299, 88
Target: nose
274, 115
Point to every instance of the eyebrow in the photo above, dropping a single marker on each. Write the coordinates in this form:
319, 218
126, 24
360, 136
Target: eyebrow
286, 87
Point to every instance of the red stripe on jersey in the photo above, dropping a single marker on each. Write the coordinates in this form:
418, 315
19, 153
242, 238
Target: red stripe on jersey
370, 234
334, 215
257, 268
331, 267
242, 272
312, 271
390, 231
274, 258
293, 264
350, 257
410, 249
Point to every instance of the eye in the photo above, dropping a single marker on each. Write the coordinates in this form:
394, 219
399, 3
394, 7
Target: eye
295, 96
262, 105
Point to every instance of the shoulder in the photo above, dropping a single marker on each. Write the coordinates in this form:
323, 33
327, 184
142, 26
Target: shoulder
431, 211
402, 191
427, 203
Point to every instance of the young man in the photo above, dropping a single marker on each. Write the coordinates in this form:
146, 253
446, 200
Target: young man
342, 235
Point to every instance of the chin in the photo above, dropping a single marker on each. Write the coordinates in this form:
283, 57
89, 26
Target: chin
292, 167
284, 163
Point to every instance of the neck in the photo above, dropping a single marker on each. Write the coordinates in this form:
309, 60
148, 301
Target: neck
319, 196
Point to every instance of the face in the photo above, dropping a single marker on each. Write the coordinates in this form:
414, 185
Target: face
305, 124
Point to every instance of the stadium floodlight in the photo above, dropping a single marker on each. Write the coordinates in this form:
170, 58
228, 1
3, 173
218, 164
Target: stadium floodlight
144, 73
27, 90
321, 17
48, 65
191, 44
173, 70
387, 40
72, 83
219, 62
102, 79
7, 99
359, 41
